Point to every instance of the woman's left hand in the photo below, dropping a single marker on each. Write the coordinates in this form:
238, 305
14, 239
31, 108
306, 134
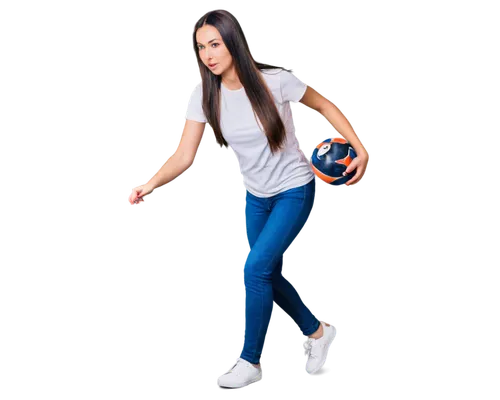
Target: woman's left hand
359, 163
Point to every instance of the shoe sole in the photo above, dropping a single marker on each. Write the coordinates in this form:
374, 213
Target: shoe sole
225, 388
326, 352
257, 378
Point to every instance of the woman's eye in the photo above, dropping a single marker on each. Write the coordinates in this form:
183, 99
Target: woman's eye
213, 44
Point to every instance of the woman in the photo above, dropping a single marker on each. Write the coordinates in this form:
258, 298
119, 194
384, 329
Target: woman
247, 105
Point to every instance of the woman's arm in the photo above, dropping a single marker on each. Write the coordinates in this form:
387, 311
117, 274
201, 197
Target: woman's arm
314, 100
183, 157
174, 166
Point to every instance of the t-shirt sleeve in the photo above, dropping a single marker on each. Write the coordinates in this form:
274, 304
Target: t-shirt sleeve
195, 110
292, 88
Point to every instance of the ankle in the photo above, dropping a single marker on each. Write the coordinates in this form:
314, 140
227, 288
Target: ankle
319, 332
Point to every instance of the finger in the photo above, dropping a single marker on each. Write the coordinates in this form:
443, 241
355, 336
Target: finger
353, 180
351, 167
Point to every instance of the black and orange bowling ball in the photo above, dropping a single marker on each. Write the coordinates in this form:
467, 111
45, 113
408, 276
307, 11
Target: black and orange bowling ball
331, 158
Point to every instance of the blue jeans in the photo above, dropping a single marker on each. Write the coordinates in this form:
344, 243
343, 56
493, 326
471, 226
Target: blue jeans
272, 225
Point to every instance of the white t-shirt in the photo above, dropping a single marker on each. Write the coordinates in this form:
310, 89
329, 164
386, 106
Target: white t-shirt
264, 174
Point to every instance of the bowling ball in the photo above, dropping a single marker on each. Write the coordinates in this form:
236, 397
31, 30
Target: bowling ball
330, 158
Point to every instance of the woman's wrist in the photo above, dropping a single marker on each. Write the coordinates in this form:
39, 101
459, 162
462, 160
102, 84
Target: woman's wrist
148, 188
361, 152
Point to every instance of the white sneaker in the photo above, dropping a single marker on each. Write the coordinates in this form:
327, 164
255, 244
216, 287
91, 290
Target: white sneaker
241, 374
317, 349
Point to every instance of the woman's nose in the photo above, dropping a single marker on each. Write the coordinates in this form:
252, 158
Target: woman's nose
208, 54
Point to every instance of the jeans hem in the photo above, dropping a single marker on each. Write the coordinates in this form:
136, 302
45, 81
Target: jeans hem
251, 362
313, 330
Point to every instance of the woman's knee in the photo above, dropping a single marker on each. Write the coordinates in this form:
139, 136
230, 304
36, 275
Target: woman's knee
258, 266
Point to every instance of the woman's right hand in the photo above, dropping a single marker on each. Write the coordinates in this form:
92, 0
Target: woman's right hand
138, 193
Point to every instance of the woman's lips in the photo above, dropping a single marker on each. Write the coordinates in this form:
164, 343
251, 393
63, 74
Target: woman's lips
212, 65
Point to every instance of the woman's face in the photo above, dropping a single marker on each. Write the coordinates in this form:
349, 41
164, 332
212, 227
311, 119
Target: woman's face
214, 52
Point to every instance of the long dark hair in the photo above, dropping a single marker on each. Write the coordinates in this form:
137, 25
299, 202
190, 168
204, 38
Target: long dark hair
248, 71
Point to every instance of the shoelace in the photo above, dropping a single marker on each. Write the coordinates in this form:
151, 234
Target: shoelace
308, 345
232, 367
